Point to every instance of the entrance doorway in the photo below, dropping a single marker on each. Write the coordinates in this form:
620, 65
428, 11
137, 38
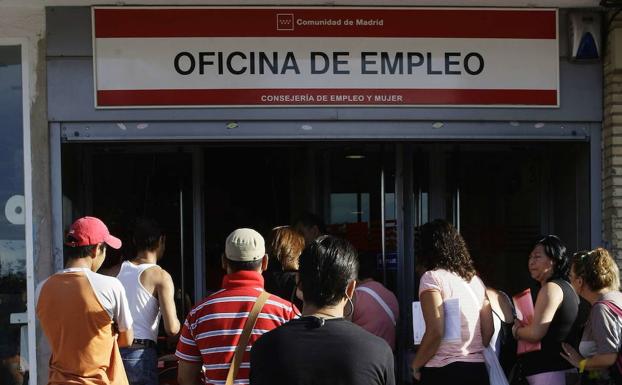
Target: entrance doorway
267, 186
352, 187
120, 184
500, 195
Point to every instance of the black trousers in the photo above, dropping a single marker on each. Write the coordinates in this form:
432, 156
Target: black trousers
456, 373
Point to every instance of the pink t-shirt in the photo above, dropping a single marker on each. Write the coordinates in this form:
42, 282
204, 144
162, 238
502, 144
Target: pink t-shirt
451, 285
371, 315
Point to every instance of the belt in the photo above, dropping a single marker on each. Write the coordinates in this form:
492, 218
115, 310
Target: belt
142, 344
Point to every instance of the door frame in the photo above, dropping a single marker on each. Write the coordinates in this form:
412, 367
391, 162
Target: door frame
198, 218
24, 45
407, 213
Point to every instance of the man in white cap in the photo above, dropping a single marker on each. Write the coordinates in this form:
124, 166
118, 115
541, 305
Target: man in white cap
214, 327
85, 315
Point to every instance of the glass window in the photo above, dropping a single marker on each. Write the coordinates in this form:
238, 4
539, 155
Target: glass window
352, 178
349, 207
510, 194
13, 329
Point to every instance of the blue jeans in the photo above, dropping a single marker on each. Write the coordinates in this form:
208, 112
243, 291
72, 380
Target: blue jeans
141, 366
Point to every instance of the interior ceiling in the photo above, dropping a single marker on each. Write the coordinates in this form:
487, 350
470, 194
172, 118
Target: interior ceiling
428, 3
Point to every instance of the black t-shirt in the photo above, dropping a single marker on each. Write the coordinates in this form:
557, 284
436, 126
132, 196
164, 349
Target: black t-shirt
309, 351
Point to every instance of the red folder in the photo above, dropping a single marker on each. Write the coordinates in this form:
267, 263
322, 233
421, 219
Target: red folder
524, 310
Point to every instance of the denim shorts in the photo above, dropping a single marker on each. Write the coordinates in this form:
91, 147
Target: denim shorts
141, 366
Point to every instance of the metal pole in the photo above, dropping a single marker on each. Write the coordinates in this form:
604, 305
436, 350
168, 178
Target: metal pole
458, 209
57, 196
403, 208
382, 224
596, 214
198, 209
181, 247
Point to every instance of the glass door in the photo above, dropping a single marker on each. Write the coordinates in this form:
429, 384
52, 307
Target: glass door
14, 360
120, 183
358, 202
508, 195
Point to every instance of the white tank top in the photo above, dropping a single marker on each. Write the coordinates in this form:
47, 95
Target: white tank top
144, 307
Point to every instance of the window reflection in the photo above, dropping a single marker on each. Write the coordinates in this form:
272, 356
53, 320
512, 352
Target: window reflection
349, 207
354, 202
13, 329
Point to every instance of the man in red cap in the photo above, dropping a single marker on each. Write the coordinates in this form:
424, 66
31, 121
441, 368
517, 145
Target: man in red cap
85, 315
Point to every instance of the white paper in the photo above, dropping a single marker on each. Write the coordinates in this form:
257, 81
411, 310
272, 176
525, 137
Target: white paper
418, 323
452, 331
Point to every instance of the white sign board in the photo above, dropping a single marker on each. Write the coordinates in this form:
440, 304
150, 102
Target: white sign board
222, 56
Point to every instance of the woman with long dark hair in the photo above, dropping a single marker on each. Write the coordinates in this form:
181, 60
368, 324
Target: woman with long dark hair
450, 275
555, 312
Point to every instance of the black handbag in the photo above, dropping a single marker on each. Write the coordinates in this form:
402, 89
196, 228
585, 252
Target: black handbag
516, 376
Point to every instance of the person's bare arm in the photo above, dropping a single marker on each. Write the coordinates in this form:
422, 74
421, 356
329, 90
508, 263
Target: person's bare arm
486, 323
166, 293
549, 299
125, 338
434, 317
122, 318
598, 361
500, 304
189, 373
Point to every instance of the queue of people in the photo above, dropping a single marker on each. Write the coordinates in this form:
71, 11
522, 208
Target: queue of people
306, 309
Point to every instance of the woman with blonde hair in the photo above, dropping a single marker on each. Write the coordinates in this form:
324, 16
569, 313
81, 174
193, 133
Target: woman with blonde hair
595, 277
283, 248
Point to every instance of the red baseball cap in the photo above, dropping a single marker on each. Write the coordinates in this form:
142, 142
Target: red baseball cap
90, 231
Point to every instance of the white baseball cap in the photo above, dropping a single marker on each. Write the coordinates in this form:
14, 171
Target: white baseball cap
245, 245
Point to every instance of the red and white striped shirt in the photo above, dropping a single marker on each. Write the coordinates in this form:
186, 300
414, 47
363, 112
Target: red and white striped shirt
213, 327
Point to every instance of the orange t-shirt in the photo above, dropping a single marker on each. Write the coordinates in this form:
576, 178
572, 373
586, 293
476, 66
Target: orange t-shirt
80, 333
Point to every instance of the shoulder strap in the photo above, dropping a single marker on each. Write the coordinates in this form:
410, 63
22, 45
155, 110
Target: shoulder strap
509, 300
617, 373
612, 306
380, 301
144, 266
245, 336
